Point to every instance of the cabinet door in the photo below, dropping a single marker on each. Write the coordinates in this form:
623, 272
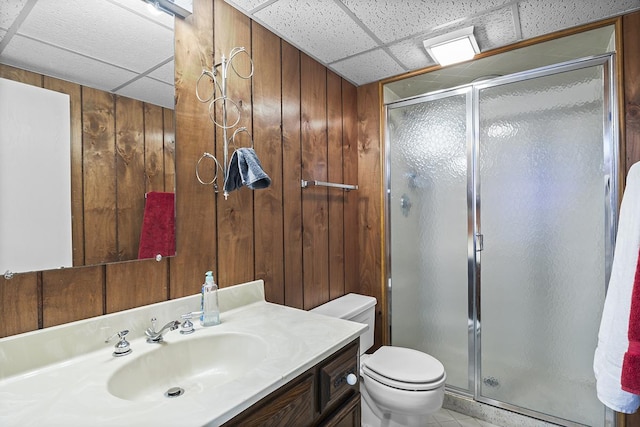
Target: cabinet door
333, 377
290, 406
348, 415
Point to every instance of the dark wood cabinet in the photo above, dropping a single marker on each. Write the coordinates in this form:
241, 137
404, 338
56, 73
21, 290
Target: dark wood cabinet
321, 396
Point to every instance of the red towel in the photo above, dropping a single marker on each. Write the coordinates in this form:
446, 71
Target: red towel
631, 363
158, 226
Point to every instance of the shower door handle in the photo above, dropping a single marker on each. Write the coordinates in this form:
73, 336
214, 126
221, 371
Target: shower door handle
479, 242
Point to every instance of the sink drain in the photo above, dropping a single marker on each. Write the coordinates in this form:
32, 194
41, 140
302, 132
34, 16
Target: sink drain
174, 392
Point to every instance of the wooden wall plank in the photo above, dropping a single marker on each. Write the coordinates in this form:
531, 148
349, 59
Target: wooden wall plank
19, 304
235, 215
135, 283
23, 76
99, 171
370, 212
335, 174
315, 236
267, 134
77, 207
196, 226
130, 175
169, 150
291, 176
72, 294
350, 174
154, 148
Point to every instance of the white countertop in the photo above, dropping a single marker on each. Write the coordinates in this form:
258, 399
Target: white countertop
58, 376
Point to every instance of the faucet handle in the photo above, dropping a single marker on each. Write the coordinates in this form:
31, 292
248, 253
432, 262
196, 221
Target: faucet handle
187, 325
122, 347
154, 324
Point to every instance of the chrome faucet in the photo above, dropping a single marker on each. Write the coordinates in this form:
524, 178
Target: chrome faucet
156, 337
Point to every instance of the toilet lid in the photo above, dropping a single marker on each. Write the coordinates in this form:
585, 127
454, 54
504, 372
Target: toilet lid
404, 368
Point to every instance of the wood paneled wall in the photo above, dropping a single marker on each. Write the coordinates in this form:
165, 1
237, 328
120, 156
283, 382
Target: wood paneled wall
120, 149
303, 243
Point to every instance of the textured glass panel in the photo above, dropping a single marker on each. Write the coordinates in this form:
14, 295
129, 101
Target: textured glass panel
543, 265
429, 232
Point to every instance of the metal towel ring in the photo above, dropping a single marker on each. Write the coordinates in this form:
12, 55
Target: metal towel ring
237, 131
216, 167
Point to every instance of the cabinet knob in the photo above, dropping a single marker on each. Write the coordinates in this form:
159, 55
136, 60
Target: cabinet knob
352, 379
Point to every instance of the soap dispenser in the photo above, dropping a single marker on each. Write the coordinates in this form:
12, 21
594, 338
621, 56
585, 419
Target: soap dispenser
210, 311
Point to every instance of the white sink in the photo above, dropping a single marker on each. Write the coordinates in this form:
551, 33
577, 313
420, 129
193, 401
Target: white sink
186, 366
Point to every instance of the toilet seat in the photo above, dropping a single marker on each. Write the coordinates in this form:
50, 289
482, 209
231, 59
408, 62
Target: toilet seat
404, 369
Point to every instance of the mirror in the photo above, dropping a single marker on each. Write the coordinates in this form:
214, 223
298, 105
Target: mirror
114, 60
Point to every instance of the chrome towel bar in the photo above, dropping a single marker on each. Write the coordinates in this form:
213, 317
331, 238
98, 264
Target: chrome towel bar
346, 187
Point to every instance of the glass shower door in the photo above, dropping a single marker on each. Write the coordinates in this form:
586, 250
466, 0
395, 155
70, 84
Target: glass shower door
542, 174
428, 141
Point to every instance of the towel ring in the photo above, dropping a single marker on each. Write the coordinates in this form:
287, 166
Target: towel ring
237, 131
236, 51
216, 167
214, 83
212, 112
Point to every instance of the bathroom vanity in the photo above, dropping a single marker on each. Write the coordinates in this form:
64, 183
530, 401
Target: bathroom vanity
319, 396
265, 364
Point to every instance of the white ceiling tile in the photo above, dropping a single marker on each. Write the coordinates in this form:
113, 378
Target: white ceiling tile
74, 28
368, 67
9, 11
49, 60
411, 54
165, 73
560, 14
320, 27
393, 19
247, 5
150, 90
494, 29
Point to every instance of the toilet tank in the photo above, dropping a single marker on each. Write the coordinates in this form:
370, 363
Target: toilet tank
354, 307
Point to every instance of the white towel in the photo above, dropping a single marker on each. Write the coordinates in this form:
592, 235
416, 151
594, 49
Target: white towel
612, 338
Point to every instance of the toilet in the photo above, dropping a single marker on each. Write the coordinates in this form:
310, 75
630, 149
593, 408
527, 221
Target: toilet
399, 386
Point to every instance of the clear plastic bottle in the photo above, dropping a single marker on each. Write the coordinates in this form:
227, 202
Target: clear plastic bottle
210, 311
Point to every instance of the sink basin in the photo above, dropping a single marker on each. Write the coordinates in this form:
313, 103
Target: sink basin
187, 366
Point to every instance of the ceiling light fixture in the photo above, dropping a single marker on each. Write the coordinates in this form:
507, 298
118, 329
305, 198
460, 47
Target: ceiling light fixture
457, 46
179, 8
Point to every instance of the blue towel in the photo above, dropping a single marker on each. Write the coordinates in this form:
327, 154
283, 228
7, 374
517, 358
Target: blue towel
245, 169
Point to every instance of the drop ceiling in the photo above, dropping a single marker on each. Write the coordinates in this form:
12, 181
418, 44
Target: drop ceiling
369, 40
119, 47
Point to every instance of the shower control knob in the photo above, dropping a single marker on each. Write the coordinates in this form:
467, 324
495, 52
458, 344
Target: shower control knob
352, 379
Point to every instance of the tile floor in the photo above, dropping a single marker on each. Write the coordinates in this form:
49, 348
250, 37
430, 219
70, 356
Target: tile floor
449, 418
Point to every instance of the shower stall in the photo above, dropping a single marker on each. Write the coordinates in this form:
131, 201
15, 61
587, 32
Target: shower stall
502, 204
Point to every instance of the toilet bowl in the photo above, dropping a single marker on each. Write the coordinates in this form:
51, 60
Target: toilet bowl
399, 386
